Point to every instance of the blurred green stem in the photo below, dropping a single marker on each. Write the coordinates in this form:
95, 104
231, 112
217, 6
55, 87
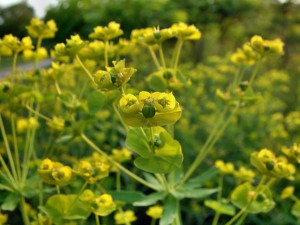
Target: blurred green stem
254, 72
106, 53
177, 53
14, 65
212, 139
219, 199
119, 166
161, 55
38, 45
24, 211
84, 68
154, 57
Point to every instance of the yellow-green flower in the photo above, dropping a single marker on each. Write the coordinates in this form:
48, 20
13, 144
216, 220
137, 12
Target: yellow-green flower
3, 218
62, 175
4, 50
87, 195
155, 109
121, 155
225, 168
15, 45
125, 217
264, 47
156, 36
40, 29
287, 192
40, 54
244, 174
114, 77
56, 124
268, 164
155, 212
103, 205
107, 33
185, 32
129, 103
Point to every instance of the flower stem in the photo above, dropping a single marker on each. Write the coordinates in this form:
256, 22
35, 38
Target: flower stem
119, 166
38, 45
106, 53
161, 55
84, 68
177, 52
24, 211
154, 57
14, 65
97, 219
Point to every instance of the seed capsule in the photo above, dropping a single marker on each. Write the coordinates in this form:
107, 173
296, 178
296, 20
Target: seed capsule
148, 111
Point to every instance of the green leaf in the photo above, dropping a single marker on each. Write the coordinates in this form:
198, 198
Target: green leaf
169, 211
11, 201
296, 209
151, 179
136, 141
202, 178
63, 208
150, 199
157, 82
242, 197
95, 101
127, 196
220, 207
182, 193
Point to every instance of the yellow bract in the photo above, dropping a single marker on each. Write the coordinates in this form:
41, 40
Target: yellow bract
150, 109
155, 212
125, 217
225, 168
107, 33
103, 205
40, 29
186, 32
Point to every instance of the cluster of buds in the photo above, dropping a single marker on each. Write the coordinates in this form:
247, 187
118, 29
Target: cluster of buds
107, 33
265, 47
225, 168
101, 205
93, 168
62, 51
155, 36
268, 164
114, 77
10, 45
256, 49
125, 217
245, 55
55, 173
56, 124
40, 54
40, 29
23, 124
293, 152
121, 155
149, 109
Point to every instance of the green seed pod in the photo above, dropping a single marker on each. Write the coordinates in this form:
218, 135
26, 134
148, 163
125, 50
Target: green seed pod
167, 75
270, 165
243, 85
148, 111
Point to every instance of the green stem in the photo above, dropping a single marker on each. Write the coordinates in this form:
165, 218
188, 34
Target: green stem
177, 53
237, 77
178, 220
153, 221
24, 211
219, 198
57, 189
154, 57
106, 53
8, 150
120, 117
16, 149
162, 179
14, 65
84, 68
38, 45
97, 219
254, 72
203, 150
57, 87
123, 169
243, 217
233, 219
118, 180
161, 55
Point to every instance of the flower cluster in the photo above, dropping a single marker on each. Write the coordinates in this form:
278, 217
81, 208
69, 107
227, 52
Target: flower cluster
101, 205
293, 152
125, 217
268, 164
55, 173
11, 44
107, 33
149, 109
114, 77
93, 168
40, 29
